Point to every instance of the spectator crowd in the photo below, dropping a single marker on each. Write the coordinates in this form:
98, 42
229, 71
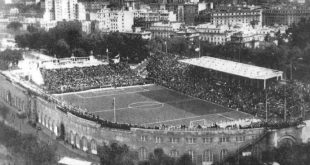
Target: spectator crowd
83, 78
190, 80
282, 99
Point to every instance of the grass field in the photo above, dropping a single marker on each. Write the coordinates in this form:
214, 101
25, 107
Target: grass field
150, 105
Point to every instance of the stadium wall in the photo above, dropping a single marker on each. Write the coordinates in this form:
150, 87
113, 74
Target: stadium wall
204, 146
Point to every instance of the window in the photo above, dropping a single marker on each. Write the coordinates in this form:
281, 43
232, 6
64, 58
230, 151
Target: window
142, 153
207, 140
174, 153
240, 138
191, 140
207, 156
224, 139
174, 140
143, 138
223, 154
192, 154
158, 139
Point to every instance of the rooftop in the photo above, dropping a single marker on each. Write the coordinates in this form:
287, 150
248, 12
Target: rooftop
234, 68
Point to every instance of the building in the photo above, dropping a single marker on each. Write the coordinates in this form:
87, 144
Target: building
49, 13
65, 10
86, 26
190, 12
114, 20
164, 30
60, 10
154, 16
284, 16
216, 34
248, 37
188, 33
138, 33
231, 17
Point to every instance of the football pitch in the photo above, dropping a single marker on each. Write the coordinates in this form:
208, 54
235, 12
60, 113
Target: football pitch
149, 105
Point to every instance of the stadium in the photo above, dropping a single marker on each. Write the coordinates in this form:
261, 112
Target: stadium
88, 103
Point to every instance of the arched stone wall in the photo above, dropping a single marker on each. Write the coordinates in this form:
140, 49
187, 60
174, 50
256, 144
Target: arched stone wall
72, 137
143, 153
84, 144
93, 146
287, 139
77, 141
207, 156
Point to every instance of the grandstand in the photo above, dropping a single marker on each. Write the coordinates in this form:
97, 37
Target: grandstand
226, 68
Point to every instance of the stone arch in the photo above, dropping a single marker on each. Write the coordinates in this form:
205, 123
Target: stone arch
77, 141
72, 137
93, 146
48, 123
55, 128
207, 156
223, 154
40, 116
286, 140
45, 120
84, 143
192, 153
142, 153
52, 125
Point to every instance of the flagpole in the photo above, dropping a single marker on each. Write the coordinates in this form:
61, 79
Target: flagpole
114, 110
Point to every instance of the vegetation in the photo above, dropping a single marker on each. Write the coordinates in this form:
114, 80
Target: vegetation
115, 154
15, 26
67, 38
9, 57
289, 154
27, 146
292, 55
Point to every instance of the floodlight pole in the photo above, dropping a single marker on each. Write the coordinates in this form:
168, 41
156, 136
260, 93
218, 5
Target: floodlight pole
114, 110
266, 107
285, 102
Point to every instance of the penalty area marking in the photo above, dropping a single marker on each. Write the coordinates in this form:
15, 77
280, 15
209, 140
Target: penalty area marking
191, 117
112, 94
143, 106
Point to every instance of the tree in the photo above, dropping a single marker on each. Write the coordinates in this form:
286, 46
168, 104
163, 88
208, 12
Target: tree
116, 154
8, 57
62, 49
158, 157
184, 160
32, 29
4, 111
15, 26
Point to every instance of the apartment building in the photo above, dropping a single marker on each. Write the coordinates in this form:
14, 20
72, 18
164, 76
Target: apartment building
216, 34
114, 20
164, 30
231, 17
284, 15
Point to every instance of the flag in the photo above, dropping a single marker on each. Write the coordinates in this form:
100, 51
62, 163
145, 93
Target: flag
117, 59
